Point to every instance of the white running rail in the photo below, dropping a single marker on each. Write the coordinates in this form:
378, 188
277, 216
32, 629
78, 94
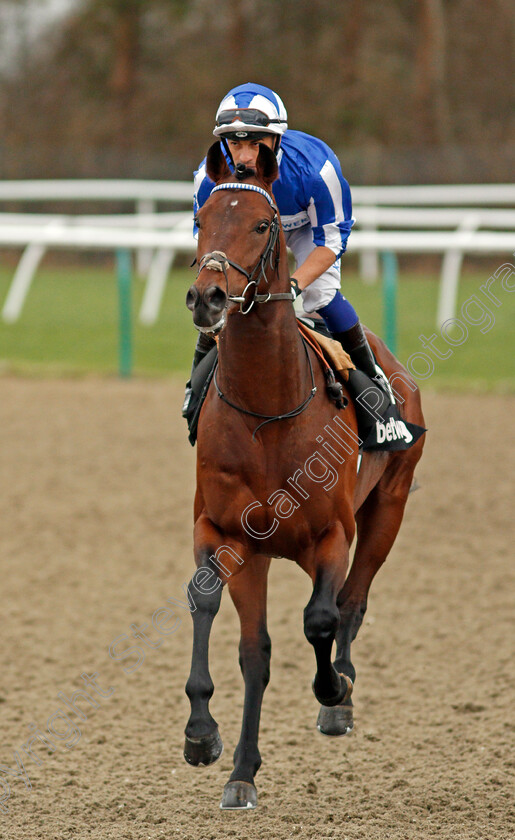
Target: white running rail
74, 236
467, 220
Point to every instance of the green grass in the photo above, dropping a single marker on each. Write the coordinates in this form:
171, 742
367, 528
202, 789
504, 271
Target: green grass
70, 326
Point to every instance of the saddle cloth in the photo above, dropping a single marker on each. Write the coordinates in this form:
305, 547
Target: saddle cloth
382, 428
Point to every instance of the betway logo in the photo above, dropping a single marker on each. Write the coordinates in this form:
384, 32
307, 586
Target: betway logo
393, 430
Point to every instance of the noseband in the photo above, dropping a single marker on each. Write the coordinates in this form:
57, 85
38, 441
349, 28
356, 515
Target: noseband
218, 261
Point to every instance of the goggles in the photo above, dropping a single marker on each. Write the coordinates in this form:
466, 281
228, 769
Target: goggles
248, 116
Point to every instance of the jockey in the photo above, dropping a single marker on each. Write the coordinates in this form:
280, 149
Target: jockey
314, 203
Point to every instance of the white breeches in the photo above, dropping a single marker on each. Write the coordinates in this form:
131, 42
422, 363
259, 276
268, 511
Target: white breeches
322, 290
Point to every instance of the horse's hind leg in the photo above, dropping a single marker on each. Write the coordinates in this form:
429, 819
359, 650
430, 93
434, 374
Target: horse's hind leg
248, 591
378, 522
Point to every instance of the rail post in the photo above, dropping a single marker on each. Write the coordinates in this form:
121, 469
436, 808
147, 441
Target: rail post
124, 277
390, 272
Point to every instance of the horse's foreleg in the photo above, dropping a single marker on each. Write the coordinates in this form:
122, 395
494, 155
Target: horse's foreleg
322, 618
216, 561
203, 744
248, 591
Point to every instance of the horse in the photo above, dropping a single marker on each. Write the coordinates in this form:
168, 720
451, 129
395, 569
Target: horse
268, 483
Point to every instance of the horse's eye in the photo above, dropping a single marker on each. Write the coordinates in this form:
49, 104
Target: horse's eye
262, 227
197, 223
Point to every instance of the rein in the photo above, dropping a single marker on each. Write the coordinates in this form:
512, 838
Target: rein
267, 418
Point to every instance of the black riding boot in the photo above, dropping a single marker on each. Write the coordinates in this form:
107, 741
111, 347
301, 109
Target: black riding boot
355, 343
204, 344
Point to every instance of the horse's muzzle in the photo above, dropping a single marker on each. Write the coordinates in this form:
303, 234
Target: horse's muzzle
206, 305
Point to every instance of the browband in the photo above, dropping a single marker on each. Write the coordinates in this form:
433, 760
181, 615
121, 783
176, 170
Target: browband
246, 187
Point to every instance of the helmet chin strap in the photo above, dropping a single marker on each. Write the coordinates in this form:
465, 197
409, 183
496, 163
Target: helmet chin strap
225, 145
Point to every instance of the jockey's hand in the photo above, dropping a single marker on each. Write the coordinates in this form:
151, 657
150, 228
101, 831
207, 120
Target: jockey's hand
295, 287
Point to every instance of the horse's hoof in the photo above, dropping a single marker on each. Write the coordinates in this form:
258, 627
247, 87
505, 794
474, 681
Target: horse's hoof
335, 720
239, 796
343, 695
200, 752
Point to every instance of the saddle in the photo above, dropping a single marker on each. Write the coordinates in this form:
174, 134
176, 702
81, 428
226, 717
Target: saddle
380, 427
340, 361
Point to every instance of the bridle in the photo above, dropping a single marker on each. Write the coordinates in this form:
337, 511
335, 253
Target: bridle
219, 261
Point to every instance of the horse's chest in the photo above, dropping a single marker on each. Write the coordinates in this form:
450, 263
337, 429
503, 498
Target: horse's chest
265, 501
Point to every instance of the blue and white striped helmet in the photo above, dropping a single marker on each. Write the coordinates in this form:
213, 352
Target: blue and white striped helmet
250, 109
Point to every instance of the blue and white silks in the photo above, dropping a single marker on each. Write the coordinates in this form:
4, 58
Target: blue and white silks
314, 202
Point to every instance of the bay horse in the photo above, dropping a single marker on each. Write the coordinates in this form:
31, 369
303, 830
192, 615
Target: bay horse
264, 488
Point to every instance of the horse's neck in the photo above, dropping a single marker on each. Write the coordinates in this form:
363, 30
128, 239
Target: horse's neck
262, 362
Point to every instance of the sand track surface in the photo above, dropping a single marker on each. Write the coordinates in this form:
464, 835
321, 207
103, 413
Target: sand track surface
97, 483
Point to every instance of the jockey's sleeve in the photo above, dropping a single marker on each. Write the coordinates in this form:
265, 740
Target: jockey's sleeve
330, 207
202, 186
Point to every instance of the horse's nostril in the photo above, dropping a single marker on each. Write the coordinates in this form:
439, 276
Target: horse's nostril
215, 297
192, 297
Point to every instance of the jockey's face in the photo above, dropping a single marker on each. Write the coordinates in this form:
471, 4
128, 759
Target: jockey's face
246, 151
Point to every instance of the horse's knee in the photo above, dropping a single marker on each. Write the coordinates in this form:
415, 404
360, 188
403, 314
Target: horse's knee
205, 592
320, 621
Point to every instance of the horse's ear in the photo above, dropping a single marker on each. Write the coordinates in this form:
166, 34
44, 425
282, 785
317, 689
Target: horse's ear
266, 165
216, 164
